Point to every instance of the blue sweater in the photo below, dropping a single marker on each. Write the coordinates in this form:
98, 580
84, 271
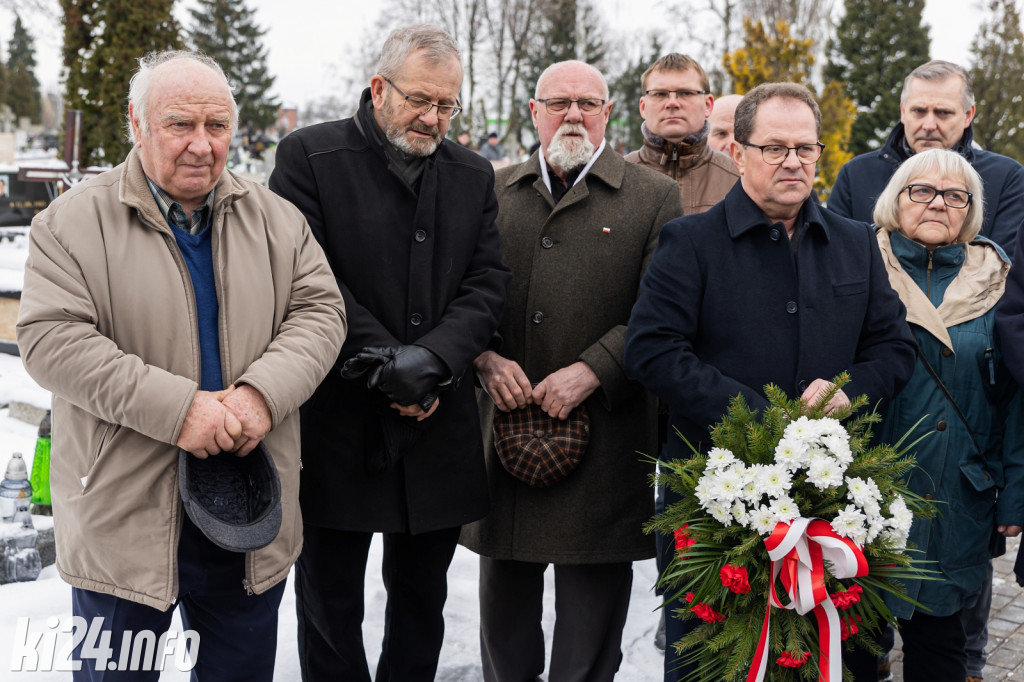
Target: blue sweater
197, 250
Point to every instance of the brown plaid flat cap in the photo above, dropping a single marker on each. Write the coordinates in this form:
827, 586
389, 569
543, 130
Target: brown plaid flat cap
537, 449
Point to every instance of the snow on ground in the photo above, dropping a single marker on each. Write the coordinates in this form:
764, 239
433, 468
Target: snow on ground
12, 259
49, 596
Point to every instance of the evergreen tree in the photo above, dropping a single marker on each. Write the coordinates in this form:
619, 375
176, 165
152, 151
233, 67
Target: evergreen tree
878, 43
565, 29
103, 40
23, 87
998, 74
226, 31
626, 90
777, 56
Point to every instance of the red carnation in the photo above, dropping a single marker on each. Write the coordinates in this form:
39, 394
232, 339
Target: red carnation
706, 613
735, 578
848, 627
683, 539
788, 660
690, 596
844, 600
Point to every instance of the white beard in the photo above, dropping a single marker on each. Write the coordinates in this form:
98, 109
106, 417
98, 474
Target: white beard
566, 153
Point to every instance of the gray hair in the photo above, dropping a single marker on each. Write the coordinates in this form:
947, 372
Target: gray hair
142, 82
402, 42
746, 110
950, 166
937, 71
547, 74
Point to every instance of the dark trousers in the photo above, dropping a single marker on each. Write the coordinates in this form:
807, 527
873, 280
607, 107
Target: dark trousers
329, 585
934, 648
237, 631
591, 602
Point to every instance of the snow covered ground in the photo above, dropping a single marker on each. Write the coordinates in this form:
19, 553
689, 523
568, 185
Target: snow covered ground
50, 597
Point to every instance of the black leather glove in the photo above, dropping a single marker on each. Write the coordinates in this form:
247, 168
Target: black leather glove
408, 375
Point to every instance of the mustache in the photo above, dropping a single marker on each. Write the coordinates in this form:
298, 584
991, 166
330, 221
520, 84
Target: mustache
570, 128
433, 131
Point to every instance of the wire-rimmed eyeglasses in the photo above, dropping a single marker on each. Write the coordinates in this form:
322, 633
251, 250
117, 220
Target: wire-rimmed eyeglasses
776, 154
589, 106
421, 107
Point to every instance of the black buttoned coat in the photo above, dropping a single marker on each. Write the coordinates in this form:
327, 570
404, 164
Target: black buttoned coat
576, 272
414, 267
727, 307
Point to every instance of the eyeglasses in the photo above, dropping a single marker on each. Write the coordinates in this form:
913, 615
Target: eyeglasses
422, 107
661, 96
559, 105
925, 194
776, 154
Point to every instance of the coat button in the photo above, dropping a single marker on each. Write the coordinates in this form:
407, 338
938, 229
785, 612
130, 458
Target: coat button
774, 234
416, 319
929, 496
791, 307
420, 235
946, 352
537, 317
546, 242
802, 386
941, 426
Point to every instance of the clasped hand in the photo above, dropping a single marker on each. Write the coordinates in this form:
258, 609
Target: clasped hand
235, 420
408, 375
558, 394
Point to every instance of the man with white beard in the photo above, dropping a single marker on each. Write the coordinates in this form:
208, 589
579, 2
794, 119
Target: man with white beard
578, 226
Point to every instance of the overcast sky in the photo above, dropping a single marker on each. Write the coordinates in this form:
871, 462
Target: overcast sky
309, 40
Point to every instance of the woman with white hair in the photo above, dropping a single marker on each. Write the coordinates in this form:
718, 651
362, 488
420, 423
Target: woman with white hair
960, 399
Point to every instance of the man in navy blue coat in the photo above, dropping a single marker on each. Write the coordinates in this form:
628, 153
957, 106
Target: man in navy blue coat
765, 287
936, 111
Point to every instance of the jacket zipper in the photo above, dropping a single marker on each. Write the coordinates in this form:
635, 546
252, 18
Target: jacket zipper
928, 276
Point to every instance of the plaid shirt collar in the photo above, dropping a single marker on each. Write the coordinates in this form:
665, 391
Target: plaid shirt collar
175, 214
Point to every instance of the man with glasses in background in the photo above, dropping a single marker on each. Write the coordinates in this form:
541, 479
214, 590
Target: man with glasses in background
675, 106
936, 111
765, 287
578, 226
391, 438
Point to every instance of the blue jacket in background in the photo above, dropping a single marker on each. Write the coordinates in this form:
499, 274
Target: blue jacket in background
950, 308
726, 308
863, 178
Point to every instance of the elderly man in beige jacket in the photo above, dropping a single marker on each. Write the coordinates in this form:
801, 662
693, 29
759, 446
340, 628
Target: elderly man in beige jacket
172, 306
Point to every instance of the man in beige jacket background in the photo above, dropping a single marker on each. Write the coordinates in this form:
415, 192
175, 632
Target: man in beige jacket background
168, 305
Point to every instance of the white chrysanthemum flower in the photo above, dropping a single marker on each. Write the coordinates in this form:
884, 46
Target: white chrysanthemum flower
801, 429
761, 520
702, 491
719, 458
876, 526
721, 511
727, 484
774, 480
752, 492
851, 523
828, 427
739, 512
863, 492
784, 509
791, 453
825, 472
902, 517
839, 447
894, 539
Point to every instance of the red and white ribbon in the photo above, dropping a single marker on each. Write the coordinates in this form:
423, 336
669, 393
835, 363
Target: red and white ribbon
798, 552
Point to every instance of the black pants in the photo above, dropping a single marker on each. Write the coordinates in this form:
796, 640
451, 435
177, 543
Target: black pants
237, 631
934, 650
591, 602
329, 578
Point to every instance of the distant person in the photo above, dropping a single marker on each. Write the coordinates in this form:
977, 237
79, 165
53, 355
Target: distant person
463, 139
721, 121
493, 151
675, 106
936, 111
391, 444
578, 225
180, 315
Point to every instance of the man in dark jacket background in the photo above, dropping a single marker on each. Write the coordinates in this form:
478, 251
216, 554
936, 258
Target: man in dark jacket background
407, 221
765, 287
936, 111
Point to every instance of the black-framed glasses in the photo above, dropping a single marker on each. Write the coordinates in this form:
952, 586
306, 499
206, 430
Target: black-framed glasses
661, 96
776, 154
589, 106
421, 107
925, 194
